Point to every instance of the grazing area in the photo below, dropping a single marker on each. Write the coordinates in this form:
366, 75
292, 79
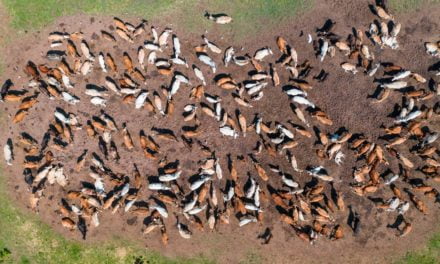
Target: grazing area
257, 132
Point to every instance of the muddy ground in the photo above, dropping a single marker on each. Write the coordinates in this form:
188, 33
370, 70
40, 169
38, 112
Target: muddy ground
344, 97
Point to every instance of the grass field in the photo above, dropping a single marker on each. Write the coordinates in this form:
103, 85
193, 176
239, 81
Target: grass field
409, 5
28, 15
23, 238
429, 255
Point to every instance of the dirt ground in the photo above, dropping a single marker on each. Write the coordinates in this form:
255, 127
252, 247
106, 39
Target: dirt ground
344, 97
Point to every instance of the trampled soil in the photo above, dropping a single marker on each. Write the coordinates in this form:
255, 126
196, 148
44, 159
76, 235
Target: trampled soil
344, 97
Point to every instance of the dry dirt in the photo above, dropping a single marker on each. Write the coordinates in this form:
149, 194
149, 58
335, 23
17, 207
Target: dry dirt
343, 96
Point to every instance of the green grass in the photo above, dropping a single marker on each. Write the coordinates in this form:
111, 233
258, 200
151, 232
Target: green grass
410, 5
35, 14
429, 255
249, 15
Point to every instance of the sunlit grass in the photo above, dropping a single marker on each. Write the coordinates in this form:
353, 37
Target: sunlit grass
249, 16
410, 5
35, 14
429, 255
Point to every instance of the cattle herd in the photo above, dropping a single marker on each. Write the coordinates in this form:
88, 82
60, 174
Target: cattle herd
219, 192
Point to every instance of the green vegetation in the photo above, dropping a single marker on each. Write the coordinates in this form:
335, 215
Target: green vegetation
410, 5
38, 13
429, 255
249, 15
